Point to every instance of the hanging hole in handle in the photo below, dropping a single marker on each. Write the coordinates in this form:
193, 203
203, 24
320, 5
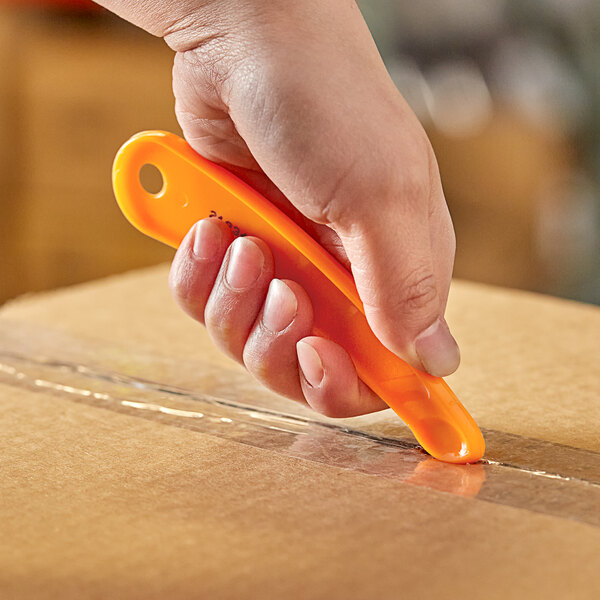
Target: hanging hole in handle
152, 179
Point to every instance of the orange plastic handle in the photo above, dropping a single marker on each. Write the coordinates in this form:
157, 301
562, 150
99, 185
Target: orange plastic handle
195, 188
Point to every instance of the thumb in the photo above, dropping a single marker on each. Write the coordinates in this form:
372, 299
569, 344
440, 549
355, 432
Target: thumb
402, 259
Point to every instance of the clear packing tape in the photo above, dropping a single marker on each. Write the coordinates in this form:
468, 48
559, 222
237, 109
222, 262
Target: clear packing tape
520, 472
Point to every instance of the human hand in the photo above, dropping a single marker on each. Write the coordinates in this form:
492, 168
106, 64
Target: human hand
294, 98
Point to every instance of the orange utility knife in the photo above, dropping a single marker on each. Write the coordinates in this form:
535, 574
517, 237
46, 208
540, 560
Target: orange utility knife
195, 188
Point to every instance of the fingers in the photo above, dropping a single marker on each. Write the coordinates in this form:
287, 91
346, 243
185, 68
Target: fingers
238, 294
309, 369
196, 265
264, 322
404, 284
329, 380
270, 350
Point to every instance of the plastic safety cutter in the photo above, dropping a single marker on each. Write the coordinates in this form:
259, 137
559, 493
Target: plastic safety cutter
195, 188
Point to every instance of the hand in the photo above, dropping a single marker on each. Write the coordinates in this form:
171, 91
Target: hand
294, 98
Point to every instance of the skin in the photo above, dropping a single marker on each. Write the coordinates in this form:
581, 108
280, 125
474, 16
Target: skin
294, 98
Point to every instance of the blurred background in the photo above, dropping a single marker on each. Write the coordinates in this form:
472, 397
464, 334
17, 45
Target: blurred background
508, 91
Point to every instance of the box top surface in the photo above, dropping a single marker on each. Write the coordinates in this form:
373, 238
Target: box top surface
115, 486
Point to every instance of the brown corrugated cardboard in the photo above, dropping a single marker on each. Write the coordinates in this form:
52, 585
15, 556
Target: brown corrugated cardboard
140, 463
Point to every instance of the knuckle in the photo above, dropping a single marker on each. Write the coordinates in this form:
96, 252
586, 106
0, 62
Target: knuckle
420, 291
214, 325
414, 187
223, 334
218, 318
414, 179
179, 285
182, 279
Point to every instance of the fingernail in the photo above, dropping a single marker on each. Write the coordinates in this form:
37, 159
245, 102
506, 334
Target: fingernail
207, 239
245, 264
438, 350
310, 364
280, 306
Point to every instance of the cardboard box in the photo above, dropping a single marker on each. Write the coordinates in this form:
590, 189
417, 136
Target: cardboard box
71, 236
138, 462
